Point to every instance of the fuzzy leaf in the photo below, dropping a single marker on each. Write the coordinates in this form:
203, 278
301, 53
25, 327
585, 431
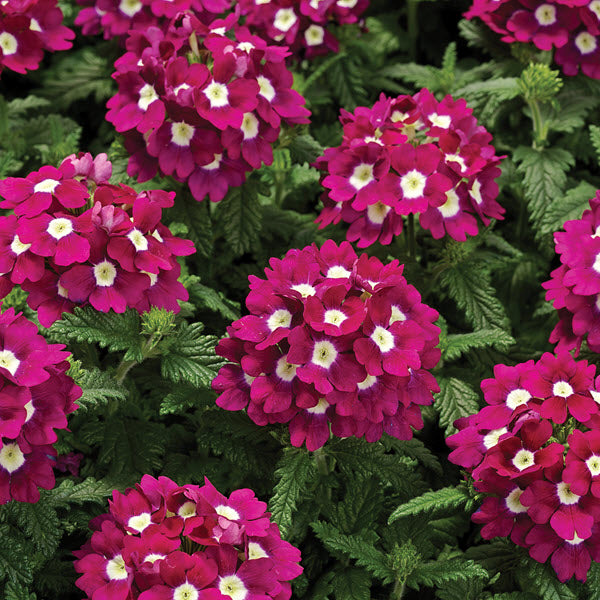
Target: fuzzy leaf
89, 490
357, 548
542, 578
595, 138
305, 149
442, 501
98, 389
435, 573
352, 584
14, 561
208, 298
109, 330
16, 591
295, 469
455, 399
40, 523
458, 344
568, 207
417, 450
190, 357
196, 218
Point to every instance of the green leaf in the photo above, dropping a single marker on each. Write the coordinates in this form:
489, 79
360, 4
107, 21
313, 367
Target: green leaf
305, 149
544, 177
417, 450
595, 139
567, 207
182, 398
542, 578
438, 572
14, 561
352, 584
98, 389
294, 471
458, 344
455, 399
346, 81
109, 330
469, 285
356, 547
443, 501
190, 357
206, 297
89, 490
16, 591
40, 523
196, 218
240, 216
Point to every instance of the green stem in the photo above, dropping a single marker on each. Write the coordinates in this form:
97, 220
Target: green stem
540, 130
412, 242
412, 24
398, 590
322, 467
126, 365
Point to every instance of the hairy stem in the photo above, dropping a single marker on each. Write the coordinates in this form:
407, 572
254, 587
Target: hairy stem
412, 242
398, 590
540, 129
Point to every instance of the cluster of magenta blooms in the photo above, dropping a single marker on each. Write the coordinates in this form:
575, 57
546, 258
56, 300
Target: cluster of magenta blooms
27, 28
534, 452
204, 125
76, 240
36, 395
410, 155
303, 26
574, 287
569, 27
334, 343
161, 541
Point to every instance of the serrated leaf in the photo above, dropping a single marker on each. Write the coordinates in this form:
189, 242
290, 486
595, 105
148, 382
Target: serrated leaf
455, 399
89, 490
352, 584
98, 389
544, 177
16, 591
181, 399
419, 451
567, 207
40, 523
469, 286
435, 573
295, 469
305, 149
196, 217
206, 297
346, 82
542, 579
595, 139
109, 330
239, 214
442, 501
19, 106
357, 548
190, 356
14, 562
455, 345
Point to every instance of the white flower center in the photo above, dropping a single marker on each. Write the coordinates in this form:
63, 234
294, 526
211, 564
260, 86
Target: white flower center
256, 551
586, 43
594, 6
233, 586
61, 290
116, 569
595, 396
398, 116
217, 94
139, 522
152, 558
285, 18
187, 510
29, 410
320, 408
545, 14
442, 121
565, 495
513, 502
267, 91
523, 459
246, 47
324, 354
130, 7
280, 318
347, 3
576, 540
182, 133
249, 126
59, 228
139, 241
304, 289
47, 185
215, 164
248, 379
338, 272
147, 95
369, 381
105, 274
228, 512
285, 370
34, 25
491, 439
475, 191
517, 398
18, 247
457, 159
451, 207
596, 265
314, 35
185, 591
562, 389
383, 339
376, 213
413, 184
593, 464
11, 457
362, 176
397, 315
8, 43
334, 317
181, 86
9, 361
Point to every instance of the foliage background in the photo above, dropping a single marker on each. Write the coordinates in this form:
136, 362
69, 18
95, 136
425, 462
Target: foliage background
383, 520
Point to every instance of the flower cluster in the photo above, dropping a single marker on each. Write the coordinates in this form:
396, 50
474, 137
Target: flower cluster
332, 341
574, 287
571, 27
534, 451
75, 239
27, 28
161, 540
207, 126
115, 18
408, 155
301, 25
36, 395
